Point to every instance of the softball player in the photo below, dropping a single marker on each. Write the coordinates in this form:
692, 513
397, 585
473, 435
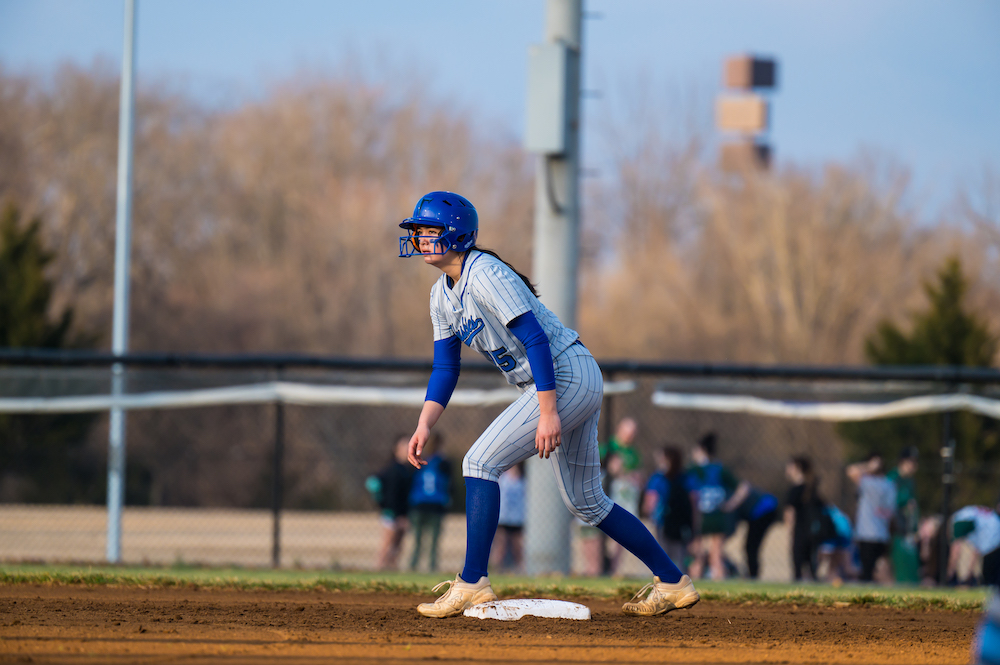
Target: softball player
481, 301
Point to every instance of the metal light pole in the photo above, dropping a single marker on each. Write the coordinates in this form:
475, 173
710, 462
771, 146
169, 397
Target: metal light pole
123, 250
947, 483
553, 132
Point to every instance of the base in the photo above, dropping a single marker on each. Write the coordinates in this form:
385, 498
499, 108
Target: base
512, 610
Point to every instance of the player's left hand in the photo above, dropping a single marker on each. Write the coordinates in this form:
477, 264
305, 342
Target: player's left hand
548, 437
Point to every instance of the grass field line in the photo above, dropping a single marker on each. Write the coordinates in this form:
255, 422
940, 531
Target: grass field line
731, 591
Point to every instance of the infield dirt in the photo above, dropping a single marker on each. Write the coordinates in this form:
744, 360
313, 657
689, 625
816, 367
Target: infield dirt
75, 624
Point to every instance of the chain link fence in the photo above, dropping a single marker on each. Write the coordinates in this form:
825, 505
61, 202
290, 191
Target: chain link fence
264, 484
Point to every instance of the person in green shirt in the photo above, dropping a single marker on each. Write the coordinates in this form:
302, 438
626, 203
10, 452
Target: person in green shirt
621, 445
597, 559
906, 520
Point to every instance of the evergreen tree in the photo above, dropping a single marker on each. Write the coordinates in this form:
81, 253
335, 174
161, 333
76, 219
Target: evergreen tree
42, 458
945, 334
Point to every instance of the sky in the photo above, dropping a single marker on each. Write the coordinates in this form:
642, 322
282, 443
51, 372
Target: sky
915, 80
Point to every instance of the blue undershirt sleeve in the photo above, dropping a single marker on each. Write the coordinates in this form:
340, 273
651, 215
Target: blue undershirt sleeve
444, 375
536, 344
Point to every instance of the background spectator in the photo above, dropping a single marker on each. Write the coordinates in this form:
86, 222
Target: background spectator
979, 527
837, 552
508, 546
624, 491
710, 485
430, 496
596, 557
654, 496
627, 484
621, 444
759, 510
876, 506
391, 489
906, 520
929, 535
803, 515
669, 504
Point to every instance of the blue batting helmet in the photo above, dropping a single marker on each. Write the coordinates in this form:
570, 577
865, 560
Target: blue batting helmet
454, 214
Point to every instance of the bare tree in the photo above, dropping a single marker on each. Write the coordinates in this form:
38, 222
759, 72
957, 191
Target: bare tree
272, 225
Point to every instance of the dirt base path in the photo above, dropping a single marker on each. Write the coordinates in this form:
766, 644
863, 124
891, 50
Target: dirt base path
67, 624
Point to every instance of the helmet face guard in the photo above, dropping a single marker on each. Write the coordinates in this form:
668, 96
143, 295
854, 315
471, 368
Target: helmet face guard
453, 214
409, 245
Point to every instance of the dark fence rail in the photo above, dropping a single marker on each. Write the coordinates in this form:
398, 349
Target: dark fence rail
936, 373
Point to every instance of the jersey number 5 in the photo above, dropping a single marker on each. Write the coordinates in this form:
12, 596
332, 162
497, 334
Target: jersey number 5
503, 359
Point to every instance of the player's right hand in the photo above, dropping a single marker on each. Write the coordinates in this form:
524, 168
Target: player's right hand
417, 443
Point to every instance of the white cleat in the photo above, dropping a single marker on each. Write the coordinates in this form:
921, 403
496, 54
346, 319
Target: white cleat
662, 598
459, 597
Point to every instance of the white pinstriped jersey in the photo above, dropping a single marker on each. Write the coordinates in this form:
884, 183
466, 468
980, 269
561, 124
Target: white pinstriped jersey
487, 297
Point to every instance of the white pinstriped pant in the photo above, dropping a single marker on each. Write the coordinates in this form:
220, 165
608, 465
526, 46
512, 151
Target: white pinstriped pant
577, 462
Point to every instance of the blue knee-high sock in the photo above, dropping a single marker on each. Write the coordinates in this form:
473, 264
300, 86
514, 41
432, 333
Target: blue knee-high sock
482, 513
630, 533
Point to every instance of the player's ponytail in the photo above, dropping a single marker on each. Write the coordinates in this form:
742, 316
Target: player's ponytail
527, 282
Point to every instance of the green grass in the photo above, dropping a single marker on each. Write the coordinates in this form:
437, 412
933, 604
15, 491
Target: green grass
736, 591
